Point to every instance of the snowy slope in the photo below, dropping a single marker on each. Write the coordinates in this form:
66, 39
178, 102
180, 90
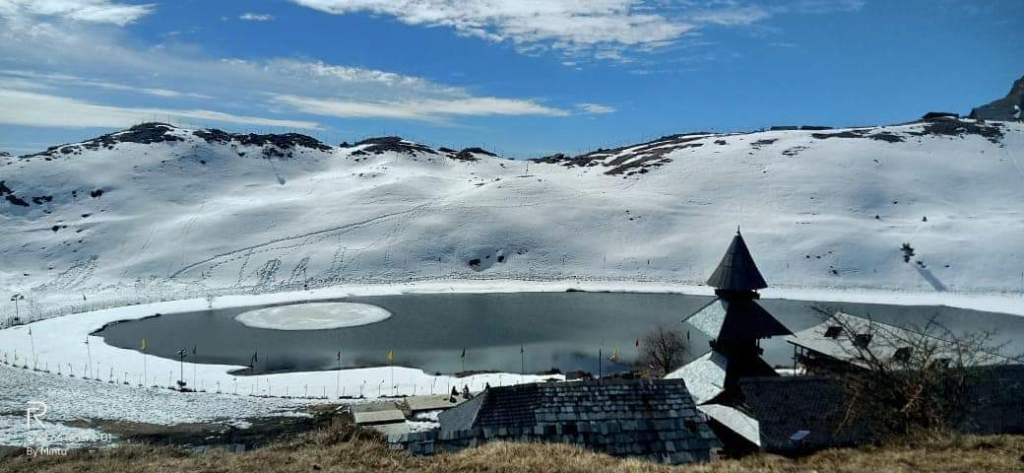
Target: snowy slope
163, 209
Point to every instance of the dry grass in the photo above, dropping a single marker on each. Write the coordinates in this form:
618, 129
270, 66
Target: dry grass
339, 448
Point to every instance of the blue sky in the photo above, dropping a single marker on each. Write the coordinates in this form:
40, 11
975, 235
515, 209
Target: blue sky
523, 78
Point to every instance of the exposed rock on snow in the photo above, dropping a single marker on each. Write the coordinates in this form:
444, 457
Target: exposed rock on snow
315, 316
276, 142
1006, 108
145, 133
471, 154
392, 144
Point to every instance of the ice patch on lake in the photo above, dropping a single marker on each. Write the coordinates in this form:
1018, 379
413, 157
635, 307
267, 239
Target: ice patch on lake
316, 316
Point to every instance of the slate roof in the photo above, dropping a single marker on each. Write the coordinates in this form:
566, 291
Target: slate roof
883, 341
787, 405
431, 403
784, 406
704, 376
737, 271
996, 396
656, 419
735, 420
736, 319
378, 417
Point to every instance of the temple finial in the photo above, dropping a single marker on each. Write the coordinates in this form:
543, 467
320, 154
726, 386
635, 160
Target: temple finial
737, 229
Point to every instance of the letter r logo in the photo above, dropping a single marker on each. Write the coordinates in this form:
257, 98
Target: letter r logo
35, 410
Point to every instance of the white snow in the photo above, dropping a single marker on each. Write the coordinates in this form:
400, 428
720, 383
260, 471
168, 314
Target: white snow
315, 316
223, 223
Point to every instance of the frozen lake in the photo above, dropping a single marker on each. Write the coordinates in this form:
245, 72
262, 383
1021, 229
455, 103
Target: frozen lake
556, 330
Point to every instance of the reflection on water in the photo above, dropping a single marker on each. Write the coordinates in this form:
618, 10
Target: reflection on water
499, 332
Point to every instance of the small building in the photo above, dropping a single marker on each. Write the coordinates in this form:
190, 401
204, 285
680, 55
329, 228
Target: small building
438, 402
378, 417
839, 344
932, 116
652, 419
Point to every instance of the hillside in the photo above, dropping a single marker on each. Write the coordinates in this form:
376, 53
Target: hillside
161, 208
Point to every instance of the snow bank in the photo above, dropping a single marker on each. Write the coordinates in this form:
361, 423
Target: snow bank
316, 316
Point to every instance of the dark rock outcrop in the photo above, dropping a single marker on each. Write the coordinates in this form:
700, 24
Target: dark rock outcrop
274, 145
144, 133
469, 154
395, 144
280, 142
1005, 109
630, 160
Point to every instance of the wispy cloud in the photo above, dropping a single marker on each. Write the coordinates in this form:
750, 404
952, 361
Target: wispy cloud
45, 110
571, 26
44, 79
41, 56
427, 110
732, 16
613, 30
93, 11
255, 17
595, 108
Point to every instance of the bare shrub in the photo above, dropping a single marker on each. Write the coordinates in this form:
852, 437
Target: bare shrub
662, 350
901, 381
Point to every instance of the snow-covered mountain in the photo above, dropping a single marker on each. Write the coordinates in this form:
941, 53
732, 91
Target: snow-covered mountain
157, 205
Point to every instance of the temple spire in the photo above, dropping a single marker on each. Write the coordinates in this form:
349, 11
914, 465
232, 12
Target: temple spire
737, 271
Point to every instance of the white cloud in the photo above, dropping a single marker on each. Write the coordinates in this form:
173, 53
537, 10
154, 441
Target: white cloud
53, 67
732, 16
595, 108
428, 110
43, 79
44, 110
573, 26
93, 11
613, 30
256, 17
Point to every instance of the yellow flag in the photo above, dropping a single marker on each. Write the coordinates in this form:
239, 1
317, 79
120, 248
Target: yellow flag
391, 356
143, 344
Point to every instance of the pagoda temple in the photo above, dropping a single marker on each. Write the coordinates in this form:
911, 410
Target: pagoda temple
735, 324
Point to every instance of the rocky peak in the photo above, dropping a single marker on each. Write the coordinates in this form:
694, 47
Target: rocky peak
1007, 108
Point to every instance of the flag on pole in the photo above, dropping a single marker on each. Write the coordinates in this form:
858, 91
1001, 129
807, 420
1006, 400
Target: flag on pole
463, 355
615, 356
193, 350
143, 344
638, 343
339, 356
522, 349
391, 356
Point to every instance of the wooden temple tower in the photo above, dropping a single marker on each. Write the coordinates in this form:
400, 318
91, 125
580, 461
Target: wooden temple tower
735, 322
